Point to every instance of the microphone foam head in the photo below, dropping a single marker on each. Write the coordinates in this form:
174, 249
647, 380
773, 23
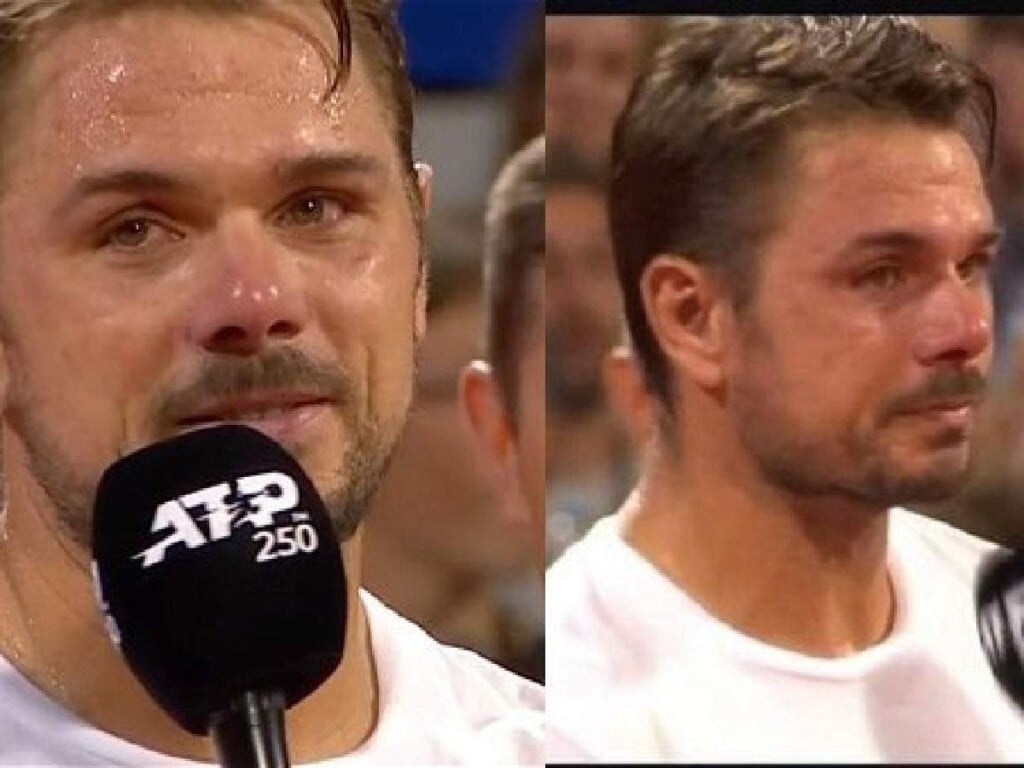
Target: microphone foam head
218, 571
1000, 608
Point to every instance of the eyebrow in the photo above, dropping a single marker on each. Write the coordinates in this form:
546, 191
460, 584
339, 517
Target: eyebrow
124, 180
906, 240
142, 180
327, 164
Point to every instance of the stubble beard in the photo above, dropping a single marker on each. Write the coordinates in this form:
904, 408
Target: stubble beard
860, 467
346, 493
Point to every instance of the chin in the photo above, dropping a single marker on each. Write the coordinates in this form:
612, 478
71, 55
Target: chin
941, 479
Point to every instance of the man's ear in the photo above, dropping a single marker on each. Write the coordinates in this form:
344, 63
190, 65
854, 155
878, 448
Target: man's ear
425, 184
5, 377
493, 435
424, 187
688, 315
419, 321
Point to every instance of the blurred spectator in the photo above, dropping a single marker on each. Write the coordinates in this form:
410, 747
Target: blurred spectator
503, 395
590, 64
589, 459
436, 549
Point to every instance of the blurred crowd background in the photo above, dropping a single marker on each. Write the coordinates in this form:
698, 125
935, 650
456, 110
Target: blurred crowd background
436, 548
597, 416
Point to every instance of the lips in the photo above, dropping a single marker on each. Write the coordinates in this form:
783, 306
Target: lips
950, 404
250, 408
951, 413
279, 415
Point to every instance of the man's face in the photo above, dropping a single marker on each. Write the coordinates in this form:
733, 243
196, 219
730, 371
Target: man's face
861, 357
590, 66
582, 296
191, 235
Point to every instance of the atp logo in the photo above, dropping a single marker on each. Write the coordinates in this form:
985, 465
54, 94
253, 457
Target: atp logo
258, 501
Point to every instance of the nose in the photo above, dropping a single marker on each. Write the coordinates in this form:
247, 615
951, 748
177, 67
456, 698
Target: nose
956, 326
252, 294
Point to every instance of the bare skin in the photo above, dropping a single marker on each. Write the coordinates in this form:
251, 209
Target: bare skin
805, 417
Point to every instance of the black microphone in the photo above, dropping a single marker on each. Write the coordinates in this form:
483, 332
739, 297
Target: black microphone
221, 580
1000, 609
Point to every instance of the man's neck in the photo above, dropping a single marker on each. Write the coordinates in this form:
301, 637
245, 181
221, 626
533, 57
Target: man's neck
807, 576
51, 632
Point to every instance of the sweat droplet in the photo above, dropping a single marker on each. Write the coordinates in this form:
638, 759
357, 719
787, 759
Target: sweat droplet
116, 73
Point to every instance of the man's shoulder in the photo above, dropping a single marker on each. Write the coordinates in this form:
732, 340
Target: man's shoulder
574, 593
604, 604
573, 568
466, 702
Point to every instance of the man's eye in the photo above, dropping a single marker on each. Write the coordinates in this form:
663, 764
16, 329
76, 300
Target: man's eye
883, 277
312, 210
974, 266
135, 233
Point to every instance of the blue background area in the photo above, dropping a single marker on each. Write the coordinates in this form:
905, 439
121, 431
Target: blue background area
464, 43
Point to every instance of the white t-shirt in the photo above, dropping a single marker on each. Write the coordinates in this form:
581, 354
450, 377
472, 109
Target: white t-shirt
438, 705
636, 670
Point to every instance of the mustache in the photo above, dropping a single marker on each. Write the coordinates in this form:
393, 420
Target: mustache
944, 384
232, 377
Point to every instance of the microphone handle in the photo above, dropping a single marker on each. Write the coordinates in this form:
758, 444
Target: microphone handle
250, 732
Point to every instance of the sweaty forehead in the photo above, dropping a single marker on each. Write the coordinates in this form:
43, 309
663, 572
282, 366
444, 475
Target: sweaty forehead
887, 177
91, 84
866, 155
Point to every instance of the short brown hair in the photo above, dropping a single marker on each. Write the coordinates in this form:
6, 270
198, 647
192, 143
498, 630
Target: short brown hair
708, 125
372, 24
513, 248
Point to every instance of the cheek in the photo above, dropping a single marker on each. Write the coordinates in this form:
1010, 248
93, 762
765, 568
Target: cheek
83, 383
371, 324
70, 335
832, 361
